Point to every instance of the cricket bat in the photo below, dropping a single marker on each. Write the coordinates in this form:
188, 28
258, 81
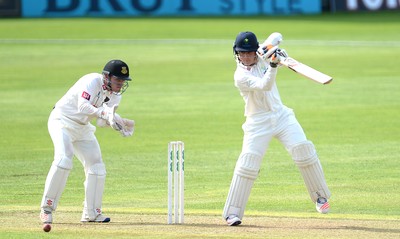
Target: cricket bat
305, 70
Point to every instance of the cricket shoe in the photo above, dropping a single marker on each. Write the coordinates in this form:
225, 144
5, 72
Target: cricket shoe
233, 220
46, 216
322, 205
100, 218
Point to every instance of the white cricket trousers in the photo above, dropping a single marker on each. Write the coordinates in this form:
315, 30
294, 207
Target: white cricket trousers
260, 129
69, 139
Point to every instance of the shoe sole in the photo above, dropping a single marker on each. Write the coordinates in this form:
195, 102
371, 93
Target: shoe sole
107, 220
235, 223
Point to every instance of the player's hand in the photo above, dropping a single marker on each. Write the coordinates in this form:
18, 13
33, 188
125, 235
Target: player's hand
277, 56
128, 128
275, 59
102, 122
124, 126
108, 113
266, 52
282, 53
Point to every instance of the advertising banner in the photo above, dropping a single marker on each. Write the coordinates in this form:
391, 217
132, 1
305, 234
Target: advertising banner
138, 8
366, 5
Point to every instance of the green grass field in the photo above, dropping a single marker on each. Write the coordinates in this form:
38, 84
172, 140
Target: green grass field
183, 90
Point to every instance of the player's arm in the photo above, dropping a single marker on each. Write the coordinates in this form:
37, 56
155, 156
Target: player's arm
123, 125
249, 82
87, 96
84, 104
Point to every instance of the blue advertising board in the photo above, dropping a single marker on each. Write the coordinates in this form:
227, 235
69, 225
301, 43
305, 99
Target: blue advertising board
138, 8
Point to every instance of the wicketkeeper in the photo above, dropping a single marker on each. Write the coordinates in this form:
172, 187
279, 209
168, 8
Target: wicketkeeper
267, 118
93, 96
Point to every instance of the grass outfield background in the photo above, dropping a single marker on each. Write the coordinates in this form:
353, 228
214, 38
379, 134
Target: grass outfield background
183, 90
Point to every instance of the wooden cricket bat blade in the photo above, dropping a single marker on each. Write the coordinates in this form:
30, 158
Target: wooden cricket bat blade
306, 71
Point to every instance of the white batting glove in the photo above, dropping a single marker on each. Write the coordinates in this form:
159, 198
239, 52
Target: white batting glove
270, 45
266, 52
282, 53
277, 57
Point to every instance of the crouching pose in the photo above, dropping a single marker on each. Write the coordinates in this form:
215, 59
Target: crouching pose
92, 96
267, 117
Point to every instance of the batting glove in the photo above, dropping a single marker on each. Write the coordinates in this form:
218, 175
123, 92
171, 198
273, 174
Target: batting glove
275, 59
266, 52
282, 53
277, 56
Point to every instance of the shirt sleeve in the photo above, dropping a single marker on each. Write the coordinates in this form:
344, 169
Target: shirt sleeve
90, 91
246, 81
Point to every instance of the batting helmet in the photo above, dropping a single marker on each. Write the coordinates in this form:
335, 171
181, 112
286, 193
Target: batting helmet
245, 41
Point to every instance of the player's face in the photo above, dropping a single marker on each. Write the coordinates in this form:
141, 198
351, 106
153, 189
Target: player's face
116, 84
248, 58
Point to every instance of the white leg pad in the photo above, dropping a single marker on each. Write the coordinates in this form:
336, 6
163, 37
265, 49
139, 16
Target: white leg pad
94, 188
306, 158
246, 172
54, 186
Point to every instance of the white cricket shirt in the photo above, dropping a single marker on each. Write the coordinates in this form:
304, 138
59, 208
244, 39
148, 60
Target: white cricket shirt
80, 104
258, 88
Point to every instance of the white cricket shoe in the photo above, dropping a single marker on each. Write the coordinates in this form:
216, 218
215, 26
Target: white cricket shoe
233, 220
322, 205
46, 216
99, 218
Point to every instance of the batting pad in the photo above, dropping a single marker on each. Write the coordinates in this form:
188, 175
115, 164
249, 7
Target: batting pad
246, 171
306, 158
54, 186
94, 188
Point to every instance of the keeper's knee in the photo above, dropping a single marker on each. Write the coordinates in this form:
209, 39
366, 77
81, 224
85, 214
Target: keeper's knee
97, 169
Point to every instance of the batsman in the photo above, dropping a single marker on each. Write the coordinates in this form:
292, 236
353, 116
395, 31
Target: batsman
93, 96
266, 118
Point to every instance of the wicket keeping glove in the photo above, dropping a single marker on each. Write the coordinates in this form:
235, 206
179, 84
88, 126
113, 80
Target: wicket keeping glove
125, 126
128, 127
108, 113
